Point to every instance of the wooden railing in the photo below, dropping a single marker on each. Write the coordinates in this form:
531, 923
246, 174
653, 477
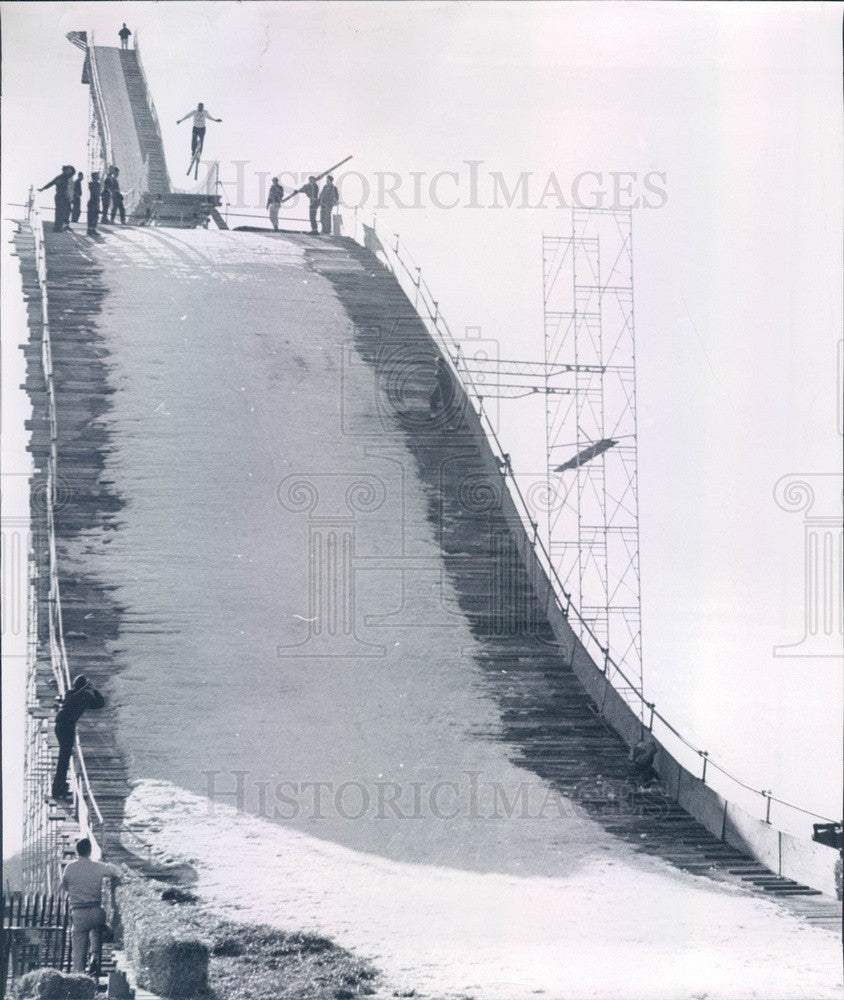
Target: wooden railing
87, 812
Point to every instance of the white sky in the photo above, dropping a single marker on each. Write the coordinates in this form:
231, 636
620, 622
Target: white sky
738, 275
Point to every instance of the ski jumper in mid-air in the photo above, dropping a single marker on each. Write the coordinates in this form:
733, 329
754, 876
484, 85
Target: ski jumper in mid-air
200, 115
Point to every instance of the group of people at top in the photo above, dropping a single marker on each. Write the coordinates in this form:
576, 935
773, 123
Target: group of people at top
102, 197
319, 201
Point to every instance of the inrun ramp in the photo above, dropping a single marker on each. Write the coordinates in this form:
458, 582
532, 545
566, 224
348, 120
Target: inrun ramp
126, 133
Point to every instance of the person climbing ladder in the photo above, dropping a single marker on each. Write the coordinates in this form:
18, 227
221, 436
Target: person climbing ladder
82, 696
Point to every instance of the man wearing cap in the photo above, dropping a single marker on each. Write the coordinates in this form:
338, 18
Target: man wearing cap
83, 882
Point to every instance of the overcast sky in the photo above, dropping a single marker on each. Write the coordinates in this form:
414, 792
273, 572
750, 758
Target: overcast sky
737, 267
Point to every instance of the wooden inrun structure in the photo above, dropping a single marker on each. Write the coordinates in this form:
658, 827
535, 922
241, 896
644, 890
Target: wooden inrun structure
125, 132
35, 922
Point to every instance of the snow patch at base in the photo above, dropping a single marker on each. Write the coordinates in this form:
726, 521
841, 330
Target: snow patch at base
611, 930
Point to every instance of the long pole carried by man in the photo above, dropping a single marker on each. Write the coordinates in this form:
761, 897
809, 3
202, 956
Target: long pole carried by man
318, 177
316, 202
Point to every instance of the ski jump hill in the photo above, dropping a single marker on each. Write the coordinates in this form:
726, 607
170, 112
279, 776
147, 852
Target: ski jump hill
242, 498
363, 367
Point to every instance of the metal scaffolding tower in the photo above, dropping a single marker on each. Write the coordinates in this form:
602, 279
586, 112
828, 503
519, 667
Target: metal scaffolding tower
593, 516
96, 155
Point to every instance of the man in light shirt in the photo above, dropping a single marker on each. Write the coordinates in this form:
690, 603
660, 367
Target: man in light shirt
200, 116
83, 881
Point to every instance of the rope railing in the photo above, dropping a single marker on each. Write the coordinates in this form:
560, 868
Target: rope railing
401, 263
85, 804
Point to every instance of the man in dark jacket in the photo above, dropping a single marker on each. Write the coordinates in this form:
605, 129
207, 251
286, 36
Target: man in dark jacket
274, 200
76, 203
328, 198
106, 193
93, 203
62, 197
117, 207
311, 189
642, 758
443, 395
78, 699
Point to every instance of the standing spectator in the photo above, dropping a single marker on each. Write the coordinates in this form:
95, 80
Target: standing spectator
274, 201
83, 881
62, 196
443, 393
93, 203
124, 34
68, 199
76, 203
106, 194
117, 197
329, 197
311, 189
80, 697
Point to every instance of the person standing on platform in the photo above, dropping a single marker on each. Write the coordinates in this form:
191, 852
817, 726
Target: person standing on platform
83, 882
311, 189
93, 203
69, 186
274, 199
76, 203
62, 196
329, 197
124, 34
117, 207
106, 194
78, 699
